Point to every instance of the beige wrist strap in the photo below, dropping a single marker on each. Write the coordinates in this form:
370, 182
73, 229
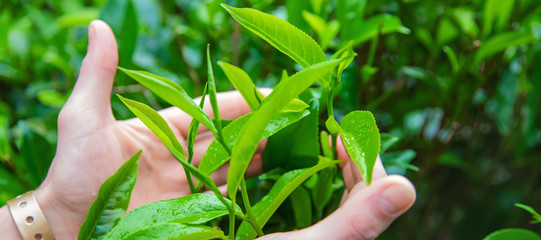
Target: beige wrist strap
28, 217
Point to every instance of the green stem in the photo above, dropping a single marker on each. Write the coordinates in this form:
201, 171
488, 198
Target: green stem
251, 218
232, 220
190, 181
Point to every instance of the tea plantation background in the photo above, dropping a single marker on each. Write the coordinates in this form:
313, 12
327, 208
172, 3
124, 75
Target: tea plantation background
458, 82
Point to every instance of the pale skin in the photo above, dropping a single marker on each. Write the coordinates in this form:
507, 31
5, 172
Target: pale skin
92, 145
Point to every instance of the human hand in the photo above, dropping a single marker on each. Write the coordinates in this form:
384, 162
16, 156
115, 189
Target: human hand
365, 212
92, 145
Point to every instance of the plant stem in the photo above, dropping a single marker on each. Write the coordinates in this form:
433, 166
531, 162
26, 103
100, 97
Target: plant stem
190, 181
232, 220
251, 218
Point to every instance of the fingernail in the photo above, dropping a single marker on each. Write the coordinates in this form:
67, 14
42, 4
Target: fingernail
91, 32
396, 198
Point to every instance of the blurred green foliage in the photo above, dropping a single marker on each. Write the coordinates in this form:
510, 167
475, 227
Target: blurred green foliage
458, 82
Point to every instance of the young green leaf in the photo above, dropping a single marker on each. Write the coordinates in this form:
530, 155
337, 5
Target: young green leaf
282, 35
347, 53
194, 126
361, 138
252, 132
159, 126
285, 185
302, 207
155, 123
324, 142
535, 215
171, 93
216, 155
513, 234
190, 140
112, 201
192, 209
166, 231
332, 126
212, 95
294, 106
243, 83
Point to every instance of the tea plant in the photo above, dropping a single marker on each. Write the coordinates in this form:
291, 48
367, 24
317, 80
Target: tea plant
291, 101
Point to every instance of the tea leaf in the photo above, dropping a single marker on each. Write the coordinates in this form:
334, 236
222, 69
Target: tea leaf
285, 185
196, 208
536, 216
212, 95
155, 123
252, 132
158, 126
302, 207
167, 231
283, 36
324, 141
216, 155
243, 83
513, 233
361, 138
112, 201
190, 140
171, 93
347, 53
194, 126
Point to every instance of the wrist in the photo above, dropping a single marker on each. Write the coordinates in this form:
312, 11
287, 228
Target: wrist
61, 218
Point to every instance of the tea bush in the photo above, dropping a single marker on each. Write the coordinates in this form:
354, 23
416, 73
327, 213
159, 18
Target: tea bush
454, 83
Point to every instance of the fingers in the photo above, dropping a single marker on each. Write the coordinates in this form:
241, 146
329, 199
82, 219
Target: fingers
231, 105
89, 105
350, 170
365, 215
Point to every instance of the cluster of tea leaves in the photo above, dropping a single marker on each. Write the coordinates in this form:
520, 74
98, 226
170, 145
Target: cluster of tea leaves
474, 128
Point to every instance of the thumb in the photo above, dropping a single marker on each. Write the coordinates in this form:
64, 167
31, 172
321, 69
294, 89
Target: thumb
365, 215
89, 105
